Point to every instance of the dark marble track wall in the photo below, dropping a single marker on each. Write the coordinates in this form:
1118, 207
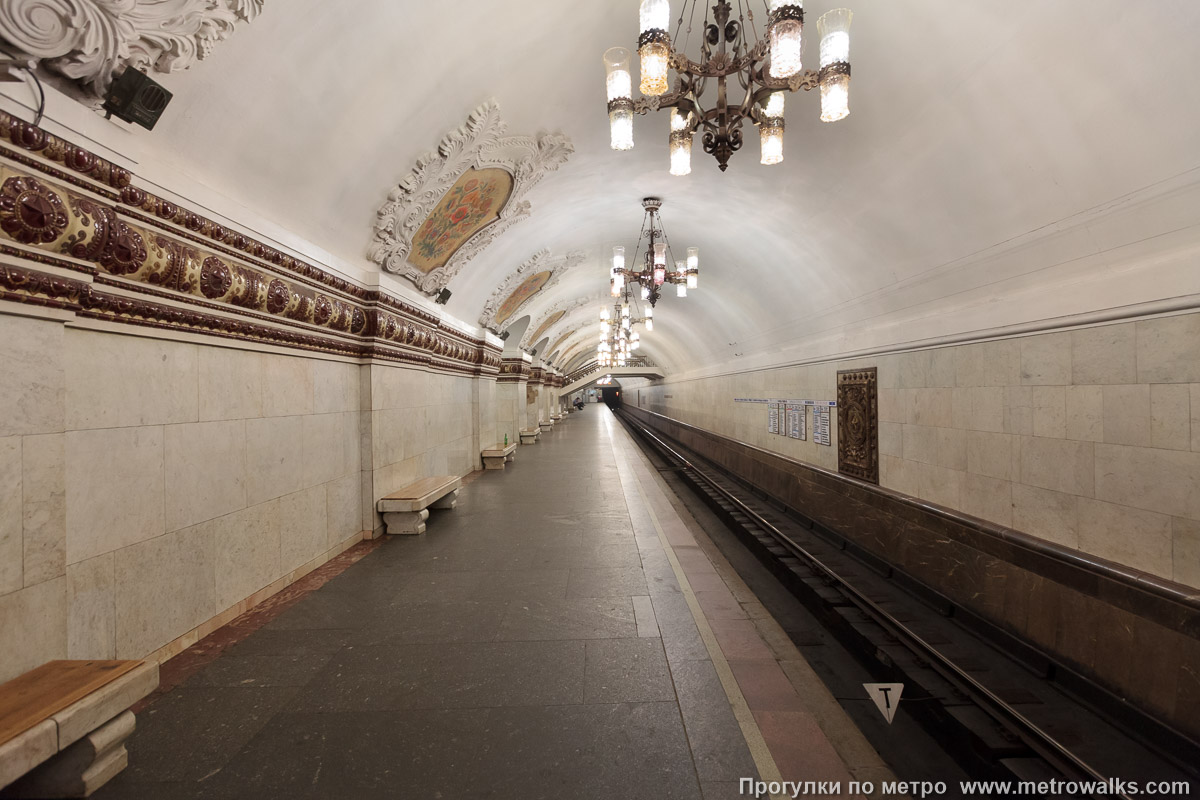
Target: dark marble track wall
1133, 633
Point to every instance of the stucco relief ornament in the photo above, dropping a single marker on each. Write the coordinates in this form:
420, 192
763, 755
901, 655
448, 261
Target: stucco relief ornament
565, 306
479, 144
541, 261
89, 41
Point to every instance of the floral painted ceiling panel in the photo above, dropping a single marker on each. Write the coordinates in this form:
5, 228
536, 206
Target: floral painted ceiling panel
473, 202
528, 288
545, 326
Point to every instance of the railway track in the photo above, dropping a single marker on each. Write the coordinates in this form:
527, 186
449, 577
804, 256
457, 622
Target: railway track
1002, 713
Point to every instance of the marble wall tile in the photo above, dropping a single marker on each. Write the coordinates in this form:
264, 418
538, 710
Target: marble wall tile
912, 369
952, 448
943, 368
115, 489
940, 485
932, 407
12, 561
342, 498
205, 471
892, 405
1018, 410
116, 381
390, 435
1085, 413
1105, 354
1195, 404
324, 448
1130, 536
164, 588
1049, 411
33, 627
1185, 535
44, 493
990, 454
1170, 416
1046, 360
246, 546
987, 408
1165, 481
1058, 464
351, 443
274, 458
1053, 516
335, 387
987, 498
91, 604
33, 392
1127, 415
989, 363
920, 444
899, 475
1168, 349
287, 386
230, 384
302, 526
891, 439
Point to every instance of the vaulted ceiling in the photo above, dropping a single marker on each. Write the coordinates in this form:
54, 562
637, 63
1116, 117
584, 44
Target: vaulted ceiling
1002, 162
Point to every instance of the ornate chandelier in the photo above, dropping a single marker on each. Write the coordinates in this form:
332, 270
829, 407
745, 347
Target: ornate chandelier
766, 68
618, 340
656, 270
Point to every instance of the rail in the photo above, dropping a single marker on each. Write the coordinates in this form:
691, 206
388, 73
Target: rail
1038, 740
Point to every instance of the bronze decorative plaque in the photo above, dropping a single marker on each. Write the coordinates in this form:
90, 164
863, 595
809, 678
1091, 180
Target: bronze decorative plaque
858, 424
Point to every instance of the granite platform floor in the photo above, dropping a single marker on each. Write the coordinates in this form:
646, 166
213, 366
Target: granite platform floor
565, 632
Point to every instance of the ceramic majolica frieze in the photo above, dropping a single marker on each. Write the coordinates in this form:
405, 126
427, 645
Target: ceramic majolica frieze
460, 197
178, 256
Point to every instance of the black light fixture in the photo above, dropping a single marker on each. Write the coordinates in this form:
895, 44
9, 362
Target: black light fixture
136, 97
442, 297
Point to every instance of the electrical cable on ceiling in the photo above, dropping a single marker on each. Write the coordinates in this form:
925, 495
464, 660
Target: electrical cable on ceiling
40, 112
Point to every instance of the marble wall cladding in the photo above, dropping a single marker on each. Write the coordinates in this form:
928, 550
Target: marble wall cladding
164, 587
510, 411
1017, 431
33, 389
12, 562
421, 423
149, 484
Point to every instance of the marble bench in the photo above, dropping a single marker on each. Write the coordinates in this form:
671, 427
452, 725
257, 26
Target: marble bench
405, 511
546, 425
530, 436
497, 455
63, 726
556, 418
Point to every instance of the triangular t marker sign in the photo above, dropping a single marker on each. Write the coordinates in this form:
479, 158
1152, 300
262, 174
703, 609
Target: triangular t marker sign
886, 697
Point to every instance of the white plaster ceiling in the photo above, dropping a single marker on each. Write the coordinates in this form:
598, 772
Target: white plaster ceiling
980, 133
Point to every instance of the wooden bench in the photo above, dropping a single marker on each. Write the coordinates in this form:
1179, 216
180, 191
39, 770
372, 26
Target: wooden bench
530, 436
63, 725
496, 456
405, 511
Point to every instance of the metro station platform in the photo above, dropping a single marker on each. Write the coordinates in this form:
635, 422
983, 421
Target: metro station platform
567, 632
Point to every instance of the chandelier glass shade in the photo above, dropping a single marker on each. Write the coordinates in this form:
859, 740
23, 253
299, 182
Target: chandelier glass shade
766, 68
